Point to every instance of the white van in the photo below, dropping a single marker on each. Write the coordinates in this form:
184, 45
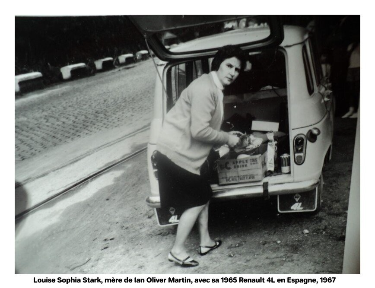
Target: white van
283, 91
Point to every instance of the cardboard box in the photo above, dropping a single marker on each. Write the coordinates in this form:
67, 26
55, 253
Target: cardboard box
248, 169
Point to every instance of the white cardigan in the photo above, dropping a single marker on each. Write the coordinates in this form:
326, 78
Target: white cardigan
191, 127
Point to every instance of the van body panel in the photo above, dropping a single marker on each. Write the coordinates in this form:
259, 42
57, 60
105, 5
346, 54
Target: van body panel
242, 191
305, 109
315, 152
308, 112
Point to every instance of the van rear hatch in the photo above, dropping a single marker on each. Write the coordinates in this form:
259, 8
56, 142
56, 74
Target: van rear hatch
164, 33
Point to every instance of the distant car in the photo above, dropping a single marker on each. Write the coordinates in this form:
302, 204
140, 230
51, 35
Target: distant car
142, 55
104, 64
74, 71
125, 59
28, 82
283, 91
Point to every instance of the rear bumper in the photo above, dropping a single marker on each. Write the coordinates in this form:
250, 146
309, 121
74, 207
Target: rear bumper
241, 191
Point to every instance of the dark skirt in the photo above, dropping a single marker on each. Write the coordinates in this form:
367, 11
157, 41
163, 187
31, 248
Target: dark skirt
180, 188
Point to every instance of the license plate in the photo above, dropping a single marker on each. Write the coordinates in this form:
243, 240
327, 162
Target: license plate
168, 216
299, 202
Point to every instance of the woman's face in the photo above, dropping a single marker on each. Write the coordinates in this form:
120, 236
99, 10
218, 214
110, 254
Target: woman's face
229, 70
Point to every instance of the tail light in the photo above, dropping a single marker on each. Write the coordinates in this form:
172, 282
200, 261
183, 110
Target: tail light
154, 163
299, 149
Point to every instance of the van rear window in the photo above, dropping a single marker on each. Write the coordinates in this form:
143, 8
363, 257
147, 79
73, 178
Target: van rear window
308, 71
316, 61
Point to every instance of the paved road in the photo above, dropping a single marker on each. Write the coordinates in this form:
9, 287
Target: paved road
77, 109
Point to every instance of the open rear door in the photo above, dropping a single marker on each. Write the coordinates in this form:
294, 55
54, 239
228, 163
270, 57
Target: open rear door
174, 37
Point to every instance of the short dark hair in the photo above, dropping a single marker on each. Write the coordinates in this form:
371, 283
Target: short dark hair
226, 52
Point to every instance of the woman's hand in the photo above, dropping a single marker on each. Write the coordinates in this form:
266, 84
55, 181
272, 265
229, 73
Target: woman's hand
233, 140
237, 133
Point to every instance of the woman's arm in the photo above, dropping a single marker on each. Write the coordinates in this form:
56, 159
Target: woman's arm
202, 109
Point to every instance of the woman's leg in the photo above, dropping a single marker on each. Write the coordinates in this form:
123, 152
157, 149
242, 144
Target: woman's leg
205, 239
185, 225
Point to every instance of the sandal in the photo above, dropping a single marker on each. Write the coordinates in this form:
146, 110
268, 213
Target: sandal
217, 245
183, 263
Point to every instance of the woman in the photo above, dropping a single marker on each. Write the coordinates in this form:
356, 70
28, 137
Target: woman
190, 130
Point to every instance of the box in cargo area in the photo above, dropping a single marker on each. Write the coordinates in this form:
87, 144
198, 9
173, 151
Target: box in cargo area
248, 168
